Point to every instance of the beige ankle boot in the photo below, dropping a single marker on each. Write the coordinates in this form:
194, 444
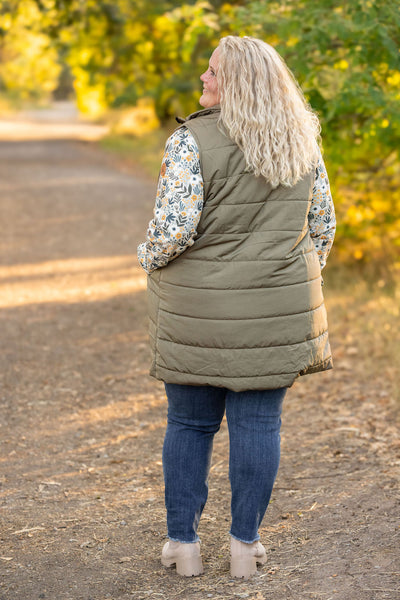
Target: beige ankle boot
186, 557
244, 558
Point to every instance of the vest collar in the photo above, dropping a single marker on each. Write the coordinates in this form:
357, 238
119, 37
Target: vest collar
199, 113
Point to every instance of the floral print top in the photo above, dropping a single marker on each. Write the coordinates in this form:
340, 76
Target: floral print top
179, 203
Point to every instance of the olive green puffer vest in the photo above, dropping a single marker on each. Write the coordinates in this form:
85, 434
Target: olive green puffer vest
242, 308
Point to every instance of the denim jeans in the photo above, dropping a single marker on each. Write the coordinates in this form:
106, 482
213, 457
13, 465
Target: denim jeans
194, 416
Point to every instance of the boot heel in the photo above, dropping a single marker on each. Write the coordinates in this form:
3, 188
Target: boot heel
243, 567
186, 558
168, 562
189, 567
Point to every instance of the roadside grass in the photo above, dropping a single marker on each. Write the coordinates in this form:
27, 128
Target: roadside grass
145, 152
365, 327
10, 105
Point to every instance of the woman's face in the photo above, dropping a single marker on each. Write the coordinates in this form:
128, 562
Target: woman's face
210, 96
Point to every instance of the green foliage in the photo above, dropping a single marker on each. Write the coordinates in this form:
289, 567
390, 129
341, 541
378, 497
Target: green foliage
346, 58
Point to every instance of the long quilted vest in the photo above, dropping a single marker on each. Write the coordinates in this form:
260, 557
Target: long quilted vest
242, 308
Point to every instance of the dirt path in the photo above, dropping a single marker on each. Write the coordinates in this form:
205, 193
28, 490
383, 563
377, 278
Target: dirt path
82, 514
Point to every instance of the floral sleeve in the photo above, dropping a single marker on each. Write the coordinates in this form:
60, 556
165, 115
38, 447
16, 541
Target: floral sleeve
321, 216
179, 203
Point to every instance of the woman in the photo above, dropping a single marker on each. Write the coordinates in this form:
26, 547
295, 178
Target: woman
242, 227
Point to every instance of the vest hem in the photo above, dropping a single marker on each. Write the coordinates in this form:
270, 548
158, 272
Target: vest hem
236, 385
326, 365
192, 375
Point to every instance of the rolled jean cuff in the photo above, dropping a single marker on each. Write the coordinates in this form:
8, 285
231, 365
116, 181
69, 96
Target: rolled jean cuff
172, 539
256, 539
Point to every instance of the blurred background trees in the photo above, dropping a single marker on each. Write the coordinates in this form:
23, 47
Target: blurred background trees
148, 55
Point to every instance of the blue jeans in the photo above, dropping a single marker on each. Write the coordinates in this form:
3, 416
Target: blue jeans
194, 416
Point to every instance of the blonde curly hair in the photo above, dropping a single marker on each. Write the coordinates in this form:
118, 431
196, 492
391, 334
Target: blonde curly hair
264, 111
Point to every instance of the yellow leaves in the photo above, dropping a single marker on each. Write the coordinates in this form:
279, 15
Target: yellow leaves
368, 217
358, 254
90, 99
227, 9
139, 120
394, 79
6, 22
145, 49
182, 27
135, 31
84, 55
354, 215
383, 67
292, 41
273, 40
163, 24
341, 65
29, 66
380, 204
385, 123
357, 214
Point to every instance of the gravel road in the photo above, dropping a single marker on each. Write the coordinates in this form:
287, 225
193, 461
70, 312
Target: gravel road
81, 504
